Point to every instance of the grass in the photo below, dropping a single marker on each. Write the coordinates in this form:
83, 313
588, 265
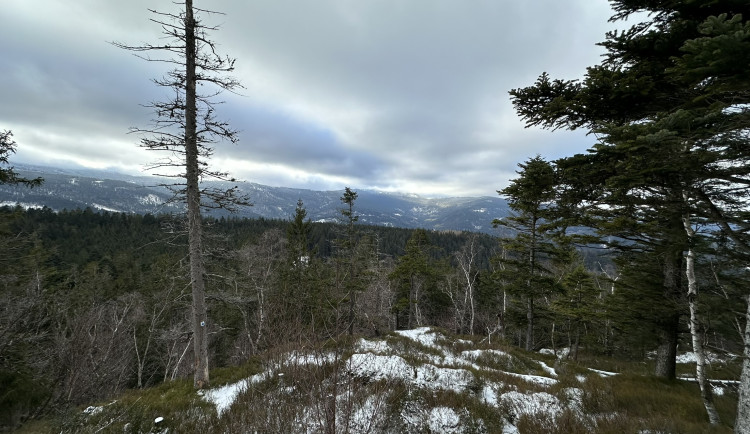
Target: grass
314, 396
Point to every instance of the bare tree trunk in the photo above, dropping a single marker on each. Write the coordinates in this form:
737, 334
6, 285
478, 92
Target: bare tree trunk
412, 303
530, 325
195, 229
742, 423
530, 301
695, 331
417, 311
466, 258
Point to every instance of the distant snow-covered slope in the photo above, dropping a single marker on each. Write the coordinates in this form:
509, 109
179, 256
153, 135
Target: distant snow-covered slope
116, 192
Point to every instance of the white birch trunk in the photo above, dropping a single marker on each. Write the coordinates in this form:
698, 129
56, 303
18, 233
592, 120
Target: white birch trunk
742, 423
695, 331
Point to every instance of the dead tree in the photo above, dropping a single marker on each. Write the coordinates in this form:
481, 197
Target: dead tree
185, 129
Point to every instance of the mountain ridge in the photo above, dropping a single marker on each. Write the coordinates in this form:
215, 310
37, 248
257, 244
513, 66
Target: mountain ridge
116, 192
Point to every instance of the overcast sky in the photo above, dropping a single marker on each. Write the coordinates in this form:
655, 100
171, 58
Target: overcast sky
395, 95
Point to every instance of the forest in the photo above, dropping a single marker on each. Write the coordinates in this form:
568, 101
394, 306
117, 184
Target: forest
636, 250
95, 303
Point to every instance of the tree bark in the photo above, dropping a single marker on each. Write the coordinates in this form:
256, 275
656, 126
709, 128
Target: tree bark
530, 325
695, 331
195, 228
742, 423
530, 301
666, 353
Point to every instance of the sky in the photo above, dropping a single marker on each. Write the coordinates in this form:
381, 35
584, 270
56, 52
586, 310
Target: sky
405, 96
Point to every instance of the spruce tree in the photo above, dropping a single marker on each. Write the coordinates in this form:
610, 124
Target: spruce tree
530, 198
351, 282
412, 276
7, 174
669, 106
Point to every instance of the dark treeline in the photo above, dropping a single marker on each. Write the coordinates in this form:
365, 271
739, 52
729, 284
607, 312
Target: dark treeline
95, 302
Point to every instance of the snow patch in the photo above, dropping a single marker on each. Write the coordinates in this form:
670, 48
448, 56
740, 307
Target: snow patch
390, 367
104, 207
423, 335
603, 373
536, 379
92, 410
444, 420
548, 369
474, 354
691, 357
519, 404
370, 414
150, 199
223, 397
376, 347
378, 367
560, 353
24, 205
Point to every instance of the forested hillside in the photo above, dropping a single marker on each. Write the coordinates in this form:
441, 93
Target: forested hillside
96, 302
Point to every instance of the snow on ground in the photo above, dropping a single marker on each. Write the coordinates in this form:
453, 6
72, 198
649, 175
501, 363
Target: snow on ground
489, 395
717, 386
377, 367
104, 207
24, 205
536, 379
378, 360
92, 410
377, 347
561, 353
223, 397
548, 369
382, 367
530, 403
603, 373
423, 335
441, 369
690, 357
368, 415
475, 354
444, 420
150, 199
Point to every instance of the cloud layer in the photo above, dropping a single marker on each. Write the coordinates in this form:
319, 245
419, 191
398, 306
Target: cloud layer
395, 95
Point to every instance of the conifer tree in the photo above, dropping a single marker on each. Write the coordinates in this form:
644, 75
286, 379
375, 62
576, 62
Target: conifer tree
669, 106
412, 275
530, 197
348, 199
301, 298
7, 174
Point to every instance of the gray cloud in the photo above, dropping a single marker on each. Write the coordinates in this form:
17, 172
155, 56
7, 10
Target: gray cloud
389, 94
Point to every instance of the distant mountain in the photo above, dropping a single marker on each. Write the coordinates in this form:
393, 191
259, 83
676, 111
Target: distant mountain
116, 192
